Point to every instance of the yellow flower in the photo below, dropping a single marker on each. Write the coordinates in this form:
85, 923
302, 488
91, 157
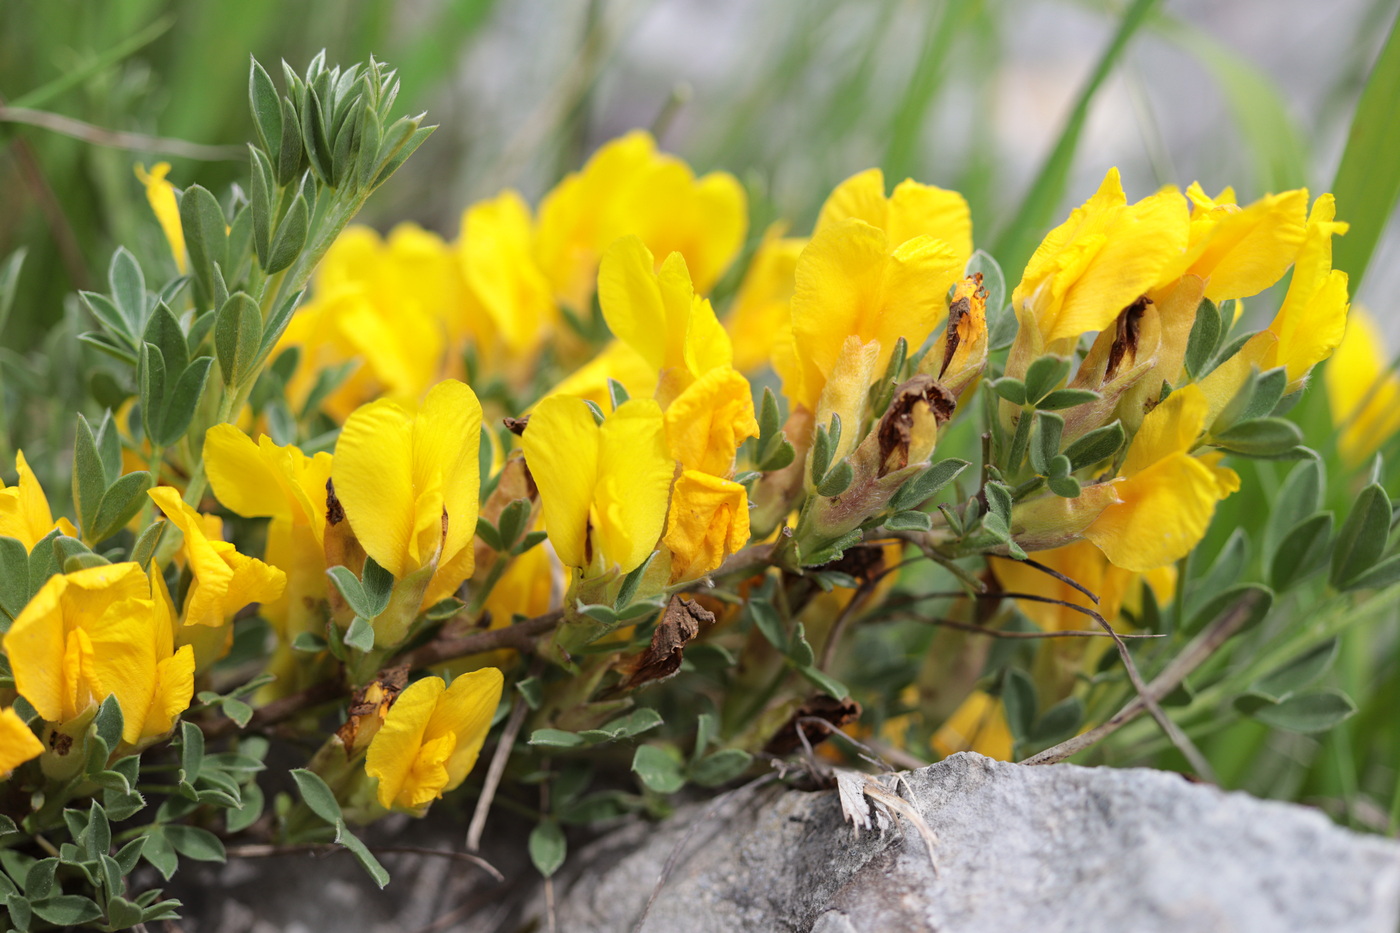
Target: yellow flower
1313, 316
497, 256
224, 580
94, 633
658, 314
978, 725
853, 280
285, 485
1166, 497
708, 421
960, 355
431, 738
410, 484
913, 210
24, 509
616, 361
161, 195
627, 187
1240, 251
1099, 261
1362, 389
18, 743
603, 488
389, 308
762, 309
708, 521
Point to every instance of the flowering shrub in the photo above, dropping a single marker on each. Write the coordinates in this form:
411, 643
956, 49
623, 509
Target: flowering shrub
529, 493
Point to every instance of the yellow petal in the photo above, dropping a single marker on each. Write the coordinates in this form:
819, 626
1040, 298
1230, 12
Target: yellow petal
161, 196
446, 446
35, 645
18, 743
709, 520
634, 483
497, 256
762, 307
1248, 249
1164, 512
1312, 319
1362, 390
862, 196
561, 444
1172, 427
913, 210
706, 424
373, 475
243, 480
465, 711
616, 361
394, 752
24, 509
174, 688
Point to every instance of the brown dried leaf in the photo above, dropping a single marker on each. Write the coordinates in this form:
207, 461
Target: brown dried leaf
679, 626
837, 712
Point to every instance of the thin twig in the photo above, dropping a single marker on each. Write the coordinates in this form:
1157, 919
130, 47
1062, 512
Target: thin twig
118, 139
258, 850
493, 773
1191, 657
1052, 572
1001, 633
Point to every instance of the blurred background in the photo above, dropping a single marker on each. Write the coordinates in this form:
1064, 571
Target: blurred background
791, 96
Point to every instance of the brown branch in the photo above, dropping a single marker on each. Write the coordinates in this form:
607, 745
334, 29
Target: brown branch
117, 139
327, 848
520, 636
1191, 657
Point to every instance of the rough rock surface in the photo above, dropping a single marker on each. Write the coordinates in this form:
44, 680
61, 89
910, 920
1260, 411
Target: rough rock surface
1045, 849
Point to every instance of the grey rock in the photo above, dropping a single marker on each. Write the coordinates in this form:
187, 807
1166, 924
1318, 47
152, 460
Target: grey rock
1048, 849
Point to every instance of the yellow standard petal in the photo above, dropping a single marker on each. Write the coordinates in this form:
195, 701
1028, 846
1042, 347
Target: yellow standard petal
913, 210
161, 196
1100, 260
1312, 319
709, 520
267, 480
762, 308
18, 743
561, 444
497, 256
409, 483
1163, 514
849, 283
24, 509
1242, 251
708, 421
634, 483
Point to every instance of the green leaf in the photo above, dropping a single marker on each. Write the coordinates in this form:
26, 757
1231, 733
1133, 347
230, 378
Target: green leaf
628, 590
1298, 498
123, 914
1045, 440
144, 548
1260, 437
290, 239
39, 882
910, 520
1268, 392
254, 802
766, 618
128, 289
180, 404
799, 650
349, 586
1099, 444
487, 532
237, 338
191, 751
1205, 338
1226, 602
110, 317
266, 107
362, 855
1011, 389
1298, 673
89, 477
513, 519
923, 487
556, 738
1066, 398
633, 723
1368, 178
1019, 696
547, 847
837, 480
1303, 550
825, 682
317, 794
206, 239
150, 374
66, 909
1059, 722
660, 768
723, 766
360, 634
108, 722
14, 580
378, 586
120, 503
1382, 575
159, 853
1308, 712
1363, 536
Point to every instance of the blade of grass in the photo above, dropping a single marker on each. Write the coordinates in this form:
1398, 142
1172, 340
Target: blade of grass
47, 92
904, 156
1018, 237
1368, 178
